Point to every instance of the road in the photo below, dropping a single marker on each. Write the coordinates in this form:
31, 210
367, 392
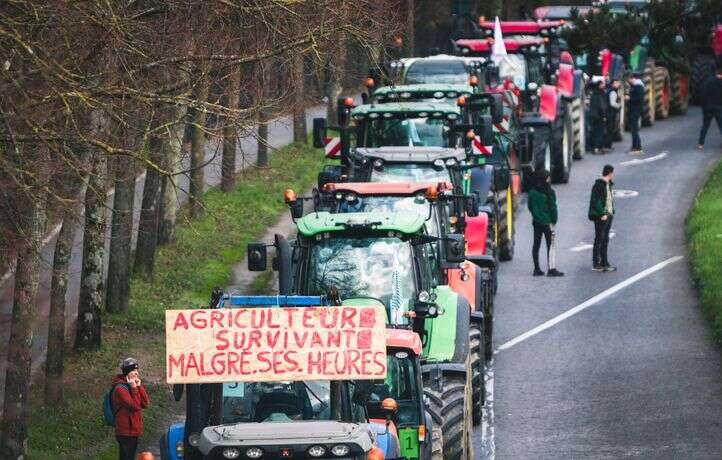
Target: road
634, 372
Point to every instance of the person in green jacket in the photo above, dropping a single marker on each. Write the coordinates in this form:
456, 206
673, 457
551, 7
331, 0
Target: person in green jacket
601, 212
542, 202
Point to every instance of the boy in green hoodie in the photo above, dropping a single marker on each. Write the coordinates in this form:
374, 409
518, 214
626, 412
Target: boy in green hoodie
542, 202
601, 212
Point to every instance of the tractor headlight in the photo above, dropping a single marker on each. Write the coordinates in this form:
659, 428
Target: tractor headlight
340, 450
179, 449
451, 94
532, 86
438, 95
464, 50
231, 453
378, 163
450, 162
423, 296
351, 197
432, 311
194, 439
532, 48
439, 163
373, 115
254, 452
316, 451
405, 95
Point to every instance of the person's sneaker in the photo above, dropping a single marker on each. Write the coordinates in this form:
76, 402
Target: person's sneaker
595, 152
538, 272
700, 146
598, 268
554, 272
635, 152
610, 268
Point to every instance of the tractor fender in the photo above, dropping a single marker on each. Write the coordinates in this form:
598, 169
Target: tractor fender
386, 439
565, 80
548, 102
605, 56
447, 335
475, 234
480, 182
466, 281
174, 435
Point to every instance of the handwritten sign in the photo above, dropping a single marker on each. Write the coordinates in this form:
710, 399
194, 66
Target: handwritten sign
272, 344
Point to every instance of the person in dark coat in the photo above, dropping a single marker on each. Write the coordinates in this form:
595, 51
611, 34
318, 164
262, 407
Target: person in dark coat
615, 106
598, 113
601, 212
542, 202
636, 107
711, 105
128, 399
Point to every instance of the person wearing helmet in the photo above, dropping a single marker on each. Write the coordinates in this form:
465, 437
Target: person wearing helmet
129, 398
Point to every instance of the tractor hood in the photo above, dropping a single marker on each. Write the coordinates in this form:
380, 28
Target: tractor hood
297, 435
407, 222
410, 154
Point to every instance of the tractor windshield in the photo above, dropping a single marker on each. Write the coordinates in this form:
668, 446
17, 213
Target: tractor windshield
410, 172
513, 67
450, 71
401, 385
276, 401
407, 132
365, 267
372, 203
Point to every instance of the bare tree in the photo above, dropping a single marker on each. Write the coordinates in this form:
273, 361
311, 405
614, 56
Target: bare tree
198, 143
297, 82
230, 133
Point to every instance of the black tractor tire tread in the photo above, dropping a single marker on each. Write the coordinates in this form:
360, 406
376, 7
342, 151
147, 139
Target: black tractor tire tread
648, 114
559, 173
447, 409
506, 244
678, 103
476, 350
437, 443
576, 111
661, 83
702, 70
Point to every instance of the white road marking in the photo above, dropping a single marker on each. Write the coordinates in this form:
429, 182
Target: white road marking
584, 246
639, 161
625, 193
584, 305
488, 448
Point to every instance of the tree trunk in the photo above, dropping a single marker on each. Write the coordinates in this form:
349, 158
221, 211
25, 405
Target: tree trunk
171, 153
148, 224
13, 440
410, 29
300, 133
230, 134
198, 142
262, 160
334, 88
119, 262
91, 279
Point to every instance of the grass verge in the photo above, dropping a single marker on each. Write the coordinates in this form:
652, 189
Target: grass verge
200, 258
704, 235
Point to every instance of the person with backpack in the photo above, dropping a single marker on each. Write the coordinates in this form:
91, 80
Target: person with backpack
542, 202
127, 400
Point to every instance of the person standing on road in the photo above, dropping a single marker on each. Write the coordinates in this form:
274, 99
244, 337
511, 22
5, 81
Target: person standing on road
542, 202
612, 114
601, 212
711, 105
636, 107
129, 398
598, 113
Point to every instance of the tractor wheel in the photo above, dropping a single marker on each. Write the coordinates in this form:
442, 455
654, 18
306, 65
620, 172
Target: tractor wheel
679, 101
576, 112
649, 110
506, 228
449, 409
662, 92
488, 322
492, 239
561, 151
702, 70
437, 443
476, 350
542, 152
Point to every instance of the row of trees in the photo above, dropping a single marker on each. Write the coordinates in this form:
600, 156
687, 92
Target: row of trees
96, 93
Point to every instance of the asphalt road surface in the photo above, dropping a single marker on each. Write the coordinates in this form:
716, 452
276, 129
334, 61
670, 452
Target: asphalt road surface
633, 372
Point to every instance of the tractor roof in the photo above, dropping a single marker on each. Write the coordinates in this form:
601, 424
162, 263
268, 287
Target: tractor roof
411, 154
521, 27
386, 189
440, 57
512, 45
422, 91
406, 222
394, 109
403, 338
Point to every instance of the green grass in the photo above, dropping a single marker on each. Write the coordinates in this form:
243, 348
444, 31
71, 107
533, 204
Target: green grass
200, 258
704, 233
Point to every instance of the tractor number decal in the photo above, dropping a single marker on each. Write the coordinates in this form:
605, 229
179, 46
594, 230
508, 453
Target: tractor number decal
409, 440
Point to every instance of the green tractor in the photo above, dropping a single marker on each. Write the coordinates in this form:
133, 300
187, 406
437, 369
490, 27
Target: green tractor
389, 258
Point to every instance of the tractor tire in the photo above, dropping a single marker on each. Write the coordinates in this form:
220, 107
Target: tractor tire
576, 112
679, 101
662, 92
542, 152
449, 409
561, 151
702, 70
649, 100
437, 443
488, 322
506, 229
492, 239
476, 351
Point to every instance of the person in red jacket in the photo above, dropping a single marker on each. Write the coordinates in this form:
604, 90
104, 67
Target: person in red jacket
129, 398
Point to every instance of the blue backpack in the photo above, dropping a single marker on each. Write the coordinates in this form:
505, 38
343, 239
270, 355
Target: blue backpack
108, 412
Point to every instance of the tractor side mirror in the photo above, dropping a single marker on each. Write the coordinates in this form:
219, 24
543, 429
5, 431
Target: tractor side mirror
497, 108
454, 248
501, 178
486, 130
471, 206
296, 209
257, 257
319, 133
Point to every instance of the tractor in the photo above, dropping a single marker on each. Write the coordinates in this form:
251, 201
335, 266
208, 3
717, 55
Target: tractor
325, 419
389, 258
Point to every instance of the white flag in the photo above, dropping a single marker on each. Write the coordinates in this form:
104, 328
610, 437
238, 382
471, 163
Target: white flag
499, 49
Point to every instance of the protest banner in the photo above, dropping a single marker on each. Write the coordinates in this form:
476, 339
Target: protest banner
275, 344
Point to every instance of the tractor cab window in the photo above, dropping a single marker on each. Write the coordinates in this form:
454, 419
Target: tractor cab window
407, 132
410, 172
451, 71
513, 67
427, 265
248, 402
365, 267
417, 204
401, 385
